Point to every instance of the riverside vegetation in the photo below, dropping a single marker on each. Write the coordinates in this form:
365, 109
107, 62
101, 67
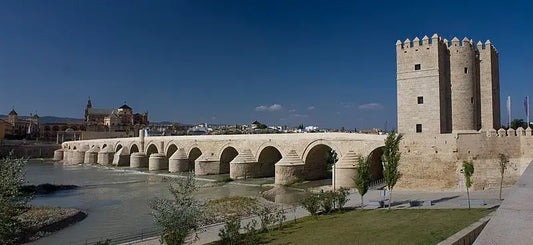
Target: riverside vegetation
18, 221
183, 216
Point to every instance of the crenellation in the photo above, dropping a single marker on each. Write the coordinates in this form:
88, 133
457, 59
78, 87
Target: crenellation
455, 42
407, 43
425, 40
479, 45
520, 132
502, 132
416, 42
466, 42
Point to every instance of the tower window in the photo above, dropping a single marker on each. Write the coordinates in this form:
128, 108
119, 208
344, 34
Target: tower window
419, 128
417, 67
472, 100
466, 70
420, 100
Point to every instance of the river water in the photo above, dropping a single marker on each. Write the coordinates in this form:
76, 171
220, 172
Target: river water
116, 200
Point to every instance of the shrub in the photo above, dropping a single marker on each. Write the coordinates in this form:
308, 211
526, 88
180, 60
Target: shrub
230, 235
267, 217
12, 201
341, 197
252, 234
280, 217
180, 216
327, 201
311, 204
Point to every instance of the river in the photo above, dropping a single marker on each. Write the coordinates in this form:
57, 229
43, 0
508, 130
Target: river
116, 199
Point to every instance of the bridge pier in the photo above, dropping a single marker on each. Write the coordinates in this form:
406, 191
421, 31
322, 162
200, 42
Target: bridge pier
178, 162
289, 169
120, 158
66, 154
206, 165
346, 170
91, 156
105, 156
77, 156
157, 161
243, 166
138, 160
58, 155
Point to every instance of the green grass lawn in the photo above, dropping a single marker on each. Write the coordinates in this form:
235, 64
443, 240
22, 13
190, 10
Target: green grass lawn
409, 226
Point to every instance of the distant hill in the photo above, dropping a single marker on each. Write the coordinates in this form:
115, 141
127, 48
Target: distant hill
49, 119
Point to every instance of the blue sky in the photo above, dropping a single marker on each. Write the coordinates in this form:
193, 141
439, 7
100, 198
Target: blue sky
325, 63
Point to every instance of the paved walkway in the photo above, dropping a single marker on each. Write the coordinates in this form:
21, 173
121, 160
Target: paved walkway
441, 199
513, 221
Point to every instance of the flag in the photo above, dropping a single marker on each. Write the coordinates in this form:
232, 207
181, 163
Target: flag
526, 105
509, 110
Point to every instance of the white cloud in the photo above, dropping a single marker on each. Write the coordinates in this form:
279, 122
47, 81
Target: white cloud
310, 108
274, 107
370, 107
299, 115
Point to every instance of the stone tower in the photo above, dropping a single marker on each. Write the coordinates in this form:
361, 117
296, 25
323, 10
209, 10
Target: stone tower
446, 87
87, 107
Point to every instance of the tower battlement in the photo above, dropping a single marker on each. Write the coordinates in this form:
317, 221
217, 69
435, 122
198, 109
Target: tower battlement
447, 86
435, 39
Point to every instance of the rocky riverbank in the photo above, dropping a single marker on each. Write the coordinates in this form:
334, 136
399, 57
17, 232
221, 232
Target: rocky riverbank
42, 221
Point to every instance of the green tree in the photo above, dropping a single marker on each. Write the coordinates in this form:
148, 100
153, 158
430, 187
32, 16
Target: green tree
518, 123
301, 127
12, 201
331, 159
503, 165
180, 216
468, 171
391, 158
362, 179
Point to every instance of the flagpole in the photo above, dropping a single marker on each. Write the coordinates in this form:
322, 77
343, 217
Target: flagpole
508, 111
527, 111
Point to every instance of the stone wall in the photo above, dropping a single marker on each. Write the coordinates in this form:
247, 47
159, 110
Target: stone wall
435, 162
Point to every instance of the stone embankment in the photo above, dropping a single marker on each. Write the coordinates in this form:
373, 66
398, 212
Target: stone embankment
27, 149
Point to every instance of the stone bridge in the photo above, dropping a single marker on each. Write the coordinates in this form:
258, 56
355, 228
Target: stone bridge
287, 157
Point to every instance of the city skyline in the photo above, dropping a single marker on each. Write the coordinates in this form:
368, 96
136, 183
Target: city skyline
281, 63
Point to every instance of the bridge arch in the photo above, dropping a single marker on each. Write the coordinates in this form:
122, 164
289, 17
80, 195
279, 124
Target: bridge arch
171, 148
267, 157
226, 156
151, 149
316, 160
118, 146
134, 148
194, 153
376, 165
314, 143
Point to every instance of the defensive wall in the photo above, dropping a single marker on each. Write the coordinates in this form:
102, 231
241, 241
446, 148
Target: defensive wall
434, 162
